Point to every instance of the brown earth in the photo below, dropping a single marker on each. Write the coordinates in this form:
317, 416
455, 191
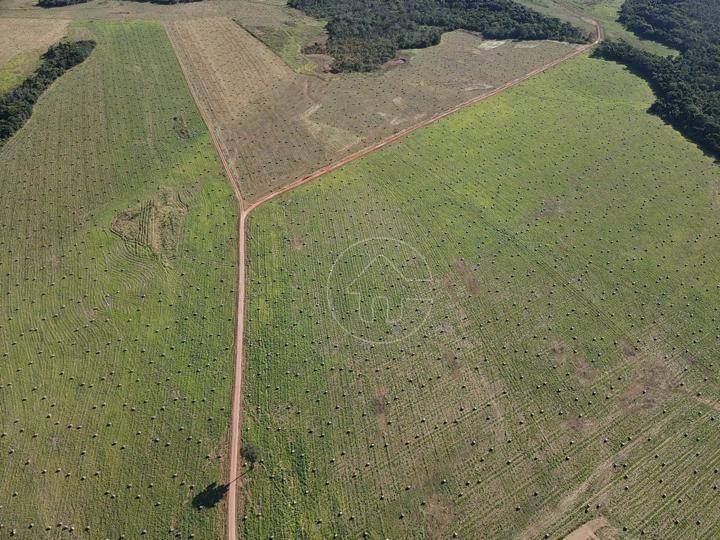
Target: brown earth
28, 36
276, 125
588, 530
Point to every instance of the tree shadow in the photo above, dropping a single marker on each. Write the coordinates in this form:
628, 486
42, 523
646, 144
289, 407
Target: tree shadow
210, 496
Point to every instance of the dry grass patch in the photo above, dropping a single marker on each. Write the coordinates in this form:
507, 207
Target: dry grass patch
596, 529
275, 124
260, 108
22, 41
28, 35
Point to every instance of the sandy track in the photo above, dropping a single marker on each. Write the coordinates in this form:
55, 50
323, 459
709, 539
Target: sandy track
237, 404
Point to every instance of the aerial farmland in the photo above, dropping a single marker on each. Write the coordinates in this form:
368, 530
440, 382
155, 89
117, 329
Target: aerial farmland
359, 269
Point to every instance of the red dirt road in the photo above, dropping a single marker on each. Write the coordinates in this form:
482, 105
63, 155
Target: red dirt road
237, 404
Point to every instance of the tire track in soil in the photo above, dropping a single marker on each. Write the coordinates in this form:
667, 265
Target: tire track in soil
236, 403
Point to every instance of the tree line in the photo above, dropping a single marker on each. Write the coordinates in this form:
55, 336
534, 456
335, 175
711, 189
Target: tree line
59, 3
680, 24
362, 34
687, 87
16, 105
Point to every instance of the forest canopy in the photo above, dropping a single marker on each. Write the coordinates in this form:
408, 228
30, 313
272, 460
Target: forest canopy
16, 106
687, 87
680, 24
362, 34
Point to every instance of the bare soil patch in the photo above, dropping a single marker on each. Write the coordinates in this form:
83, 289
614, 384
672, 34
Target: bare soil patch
583, 370
276, 125
469, 279
649, 386
297, 242
597, 529
256, 104
439, 516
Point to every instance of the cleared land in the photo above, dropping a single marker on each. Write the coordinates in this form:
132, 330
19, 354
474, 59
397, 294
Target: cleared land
117, 273
22, 41
276, 125
567, 367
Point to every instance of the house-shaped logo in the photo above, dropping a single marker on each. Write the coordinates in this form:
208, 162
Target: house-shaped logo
379, 290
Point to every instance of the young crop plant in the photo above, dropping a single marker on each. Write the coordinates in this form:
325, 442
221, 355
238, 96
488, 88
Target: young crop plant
117, 279
566, 373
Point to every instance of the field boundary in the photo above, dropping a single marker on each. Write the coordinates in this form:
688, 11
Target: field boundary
237, 402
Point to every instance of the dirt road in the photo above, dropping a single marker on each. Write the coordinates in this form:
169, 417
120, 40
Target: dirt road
237, 404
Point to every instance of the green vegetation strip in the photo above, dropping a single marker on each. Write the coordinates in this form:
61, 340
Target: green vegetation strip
568, 366
59, 3
16, 106
117, 281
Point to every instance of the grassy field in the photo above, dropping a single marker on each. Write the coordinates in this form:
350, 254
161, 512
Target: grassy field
117, 273
22, 41
288, 39
606, 11
566, 368
563, 10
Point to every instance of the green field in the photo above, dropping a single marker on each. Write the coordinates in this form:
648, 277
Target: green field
606, 11
16, 70
117, 274
567, 367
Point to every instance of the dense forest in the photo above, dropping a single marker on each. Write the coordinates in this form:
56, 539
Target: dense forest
687, 87
362, 34
16, 106
680, 24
